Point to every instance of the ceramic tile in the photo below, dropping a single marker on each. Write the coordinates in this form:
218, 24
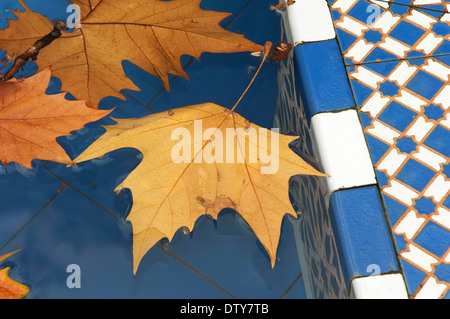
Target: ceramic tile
362, 233
321, 79
403, 106
310, 21
342, 150
318, 256
390, 286
371, 31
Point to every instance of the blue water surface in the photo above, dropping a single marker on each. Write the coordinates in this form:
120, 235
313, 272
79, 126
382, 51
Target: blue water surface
60, 215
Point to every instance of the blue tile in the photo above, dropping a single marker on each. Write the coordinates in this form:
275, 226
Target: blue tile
322, 79
405, 144
439, 140
360, 91
424, 205
378, 54
362, 234
415, 175
425, 84
373, 36
446, 170
398, 9
400, 243
388, 88
397, 116
382, 178
361, 11
376, 147
414, 277
433, 10
433, 112
441, 28
346, 39
394, 209
442, 272
434, 238
407, 33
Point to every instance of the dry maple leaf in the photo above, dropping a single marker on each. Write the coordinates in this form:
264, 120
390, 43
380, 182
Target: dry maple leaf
10, 289
153, 34
30, 120
174, 185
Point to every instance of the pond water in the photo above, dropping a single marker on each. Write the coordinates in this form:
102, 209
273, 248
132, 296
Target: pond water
61, 216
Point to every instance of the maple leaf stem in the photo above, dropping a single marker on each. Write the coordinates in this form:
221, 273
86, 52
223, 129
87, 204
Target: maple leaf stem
33, 51
267, 48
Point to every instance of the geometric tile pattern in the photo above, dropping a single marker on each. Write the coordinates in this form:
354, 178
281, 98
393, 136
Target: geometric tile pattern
322, 269
371, 31
397, 57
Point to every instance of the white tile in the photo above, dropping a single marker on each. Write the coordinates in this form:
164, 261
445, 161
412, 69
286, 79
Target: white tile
375, 104
438, 188
446, 122
431, 289
366, 76
419, 129
437, 69
402, 73
343, 5
419, 257
383, 132
359, 50
391, 162
386, 21
443, 97
421, 19
401, 192
429, 157
342, 150
351, 25
410, 100
310, 20
409, 225
394, 46
389, 286
442, 217
429, 43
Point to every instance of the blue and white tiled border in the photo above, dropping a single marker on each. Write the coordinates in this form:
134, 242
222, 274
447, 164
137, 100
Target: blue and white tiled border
360, 259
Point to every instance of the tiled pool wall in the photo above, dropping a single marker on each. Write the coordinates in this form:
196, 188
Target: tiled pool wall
373, 80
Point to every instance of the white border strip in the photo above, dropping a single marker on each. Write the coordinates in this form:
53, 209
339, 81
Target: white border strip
389, 286
310, 21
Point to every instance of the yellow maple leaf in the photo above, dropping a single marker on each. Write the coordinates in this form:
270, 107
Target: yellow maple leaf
10, 289
152, 34
198, 160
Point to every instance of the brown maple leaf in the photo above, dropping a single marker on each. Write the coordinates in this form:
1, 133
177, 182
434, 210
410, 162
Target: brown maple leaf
153, 34
30, 120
